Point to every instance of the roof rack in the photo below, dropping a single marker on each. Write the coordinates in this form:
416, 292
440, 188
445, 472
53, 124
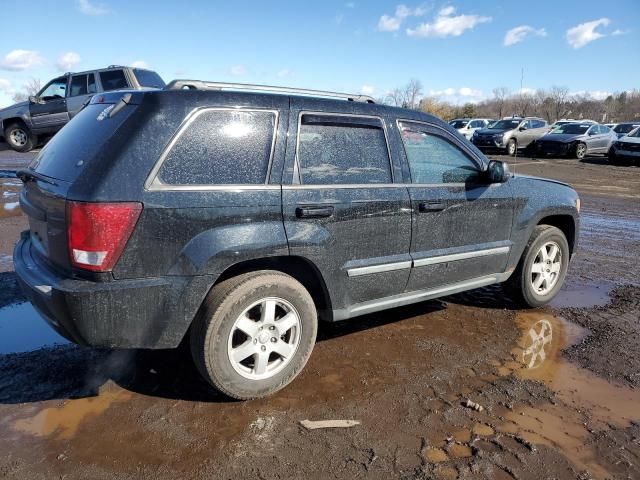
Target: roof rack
204, 85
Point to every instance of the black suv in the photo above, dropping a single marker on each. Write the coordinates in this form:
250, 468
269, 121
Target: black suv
24, 123
235, 218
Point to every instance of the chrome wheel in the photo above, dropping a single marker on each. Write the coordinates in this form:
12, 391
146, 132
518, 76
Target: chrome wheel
546, 267
264, 338
512, 147
581, 150
18, 137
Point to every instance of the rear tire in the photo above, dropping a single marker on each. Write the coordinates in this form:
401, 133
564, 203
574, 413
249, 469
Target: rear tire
19, 137
542, 268
254, 334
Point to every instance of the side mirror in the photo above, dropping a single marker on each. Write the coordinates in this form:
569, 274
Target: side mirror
498, 171
522, 128
34, 99
591, 133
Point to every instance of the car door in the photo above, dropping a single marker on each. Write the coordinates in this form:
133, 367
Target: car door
50, 109
592, 139
342, 209
81, 89
461, 223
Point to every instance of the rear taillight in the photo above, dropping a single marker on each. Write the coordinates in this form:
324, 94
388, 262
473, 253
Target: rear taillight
98, 232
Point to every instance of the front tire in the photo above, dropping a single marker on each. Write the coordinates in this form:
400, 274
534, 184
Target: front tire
254, 334
20, 138
542, 269
581, 150
512, 147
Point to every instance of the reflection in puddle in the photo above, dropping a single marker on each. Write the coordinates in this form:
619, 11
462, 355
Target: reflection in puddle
588, 402
64, 421
22, 329
9, 205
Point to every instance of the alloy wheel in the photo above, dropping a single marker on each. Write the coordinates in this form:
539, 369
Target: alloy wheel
545, 270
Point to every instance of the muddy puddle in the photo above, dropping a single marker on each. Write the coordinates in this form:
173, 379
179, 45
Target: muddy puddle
9, 194
587, 403
22, 329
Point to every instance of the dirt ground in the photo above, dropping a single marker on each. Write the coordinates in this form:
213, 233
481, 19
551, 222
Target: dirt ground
559, 387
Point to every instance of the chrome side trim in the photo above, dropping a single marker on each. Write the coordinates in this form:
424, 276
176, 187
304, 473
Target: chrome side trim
386, 267
338, 186
153, 183
460, 256
417, 296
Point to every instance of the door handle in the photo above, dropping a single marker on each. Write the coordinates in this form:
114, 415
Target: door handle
314, 212
431, 206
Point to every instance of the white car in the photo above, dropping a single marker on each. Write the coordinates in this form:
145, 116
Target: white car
466, 126
626, 150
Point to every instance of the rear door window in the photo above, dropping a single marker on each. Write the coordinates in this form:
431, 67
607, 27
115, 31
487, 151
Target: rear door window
221, 147
78, 85
336, 149
91, 83
113, 80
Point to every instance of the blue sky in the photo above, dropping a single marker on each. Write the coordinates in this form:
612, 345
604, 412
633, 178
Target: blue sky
459, 50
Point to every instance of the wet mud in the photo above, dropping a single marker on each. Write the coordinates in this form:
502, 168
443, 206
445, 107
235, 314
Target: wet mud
555, 389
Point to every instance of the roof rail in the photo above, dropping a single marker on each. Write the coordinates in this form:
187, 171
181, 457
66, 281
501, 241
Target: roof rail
204, 85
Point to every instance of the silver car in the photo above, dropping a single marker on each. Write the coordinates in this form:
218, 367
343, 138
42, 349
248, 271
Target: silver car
576, 139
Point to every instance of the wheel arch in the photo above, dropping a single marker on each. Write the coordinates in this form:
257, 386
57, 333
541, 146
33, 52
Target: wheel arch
297, 267
566, 224
11, 120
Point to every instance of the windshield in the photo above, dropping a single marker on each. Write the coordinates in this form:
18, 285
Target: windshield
458, 123
635, 133
625, 127
571, 128
505, 124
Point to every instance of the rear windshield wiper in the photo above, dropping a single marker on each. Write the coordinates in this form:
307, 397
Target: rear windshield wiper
26, 175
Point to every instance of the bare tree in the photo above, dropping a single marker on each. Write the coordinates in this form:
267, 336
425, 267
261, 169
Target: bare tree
32, 87
501, 94
437, 107
558, 96
407, 96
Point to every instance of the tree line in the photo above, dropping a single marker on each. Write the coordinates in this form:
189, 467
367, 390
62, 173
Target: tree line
551, 104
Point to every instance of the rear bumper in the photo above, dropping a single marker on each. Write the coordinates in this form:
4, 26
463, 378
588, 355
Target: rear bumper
137, 313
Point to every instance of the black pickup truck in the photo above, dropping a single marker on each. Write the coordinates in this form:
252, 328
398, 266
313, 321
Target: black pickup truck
234, 217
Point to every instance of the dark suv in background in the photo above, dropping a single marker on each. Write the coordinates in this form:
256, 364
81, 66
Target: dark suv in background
234, 217
62, 98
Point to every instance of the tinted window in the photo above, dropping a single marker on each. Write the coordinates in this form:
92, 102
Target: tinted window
342, 150
91, 83
476, 124
634, 133
57, 88
433, 159
538, 123
458, 123
78, 85
113, 80
147, 78
221, 147
625, 127
506, 124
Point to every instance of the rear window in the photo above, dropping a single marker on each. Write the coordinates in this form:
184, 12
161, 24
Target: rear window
221, 147
113, 80
147, 78
625, 127
81, 140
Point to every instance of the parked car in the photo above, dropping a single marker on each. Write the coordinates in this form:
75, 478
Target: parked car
626, 150
510, 134
564, 121
466, 126
624, 128
575, 139
235, 217
62, 98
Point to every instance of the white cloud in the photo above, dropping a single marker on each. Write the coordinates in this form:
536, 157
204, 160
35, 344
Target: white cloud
67, 61
518, 34
140, 64
585, 33
350, 5
367, 89
527, 91
391, 23
447, 24
339, 18
17, 60
285, 72
617, 32
458, 95
238, 70
94, 9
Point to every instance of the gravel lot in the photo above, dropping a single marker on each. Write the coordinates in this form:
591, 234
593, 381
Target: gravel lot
572, 411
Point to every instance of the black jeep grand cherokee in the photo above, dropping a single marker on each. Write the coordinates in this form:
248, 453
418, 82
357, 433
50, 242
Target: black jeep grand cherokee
240, 217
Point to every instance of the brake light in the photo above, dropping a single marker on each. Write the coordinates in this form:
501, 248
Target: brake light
98, 232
